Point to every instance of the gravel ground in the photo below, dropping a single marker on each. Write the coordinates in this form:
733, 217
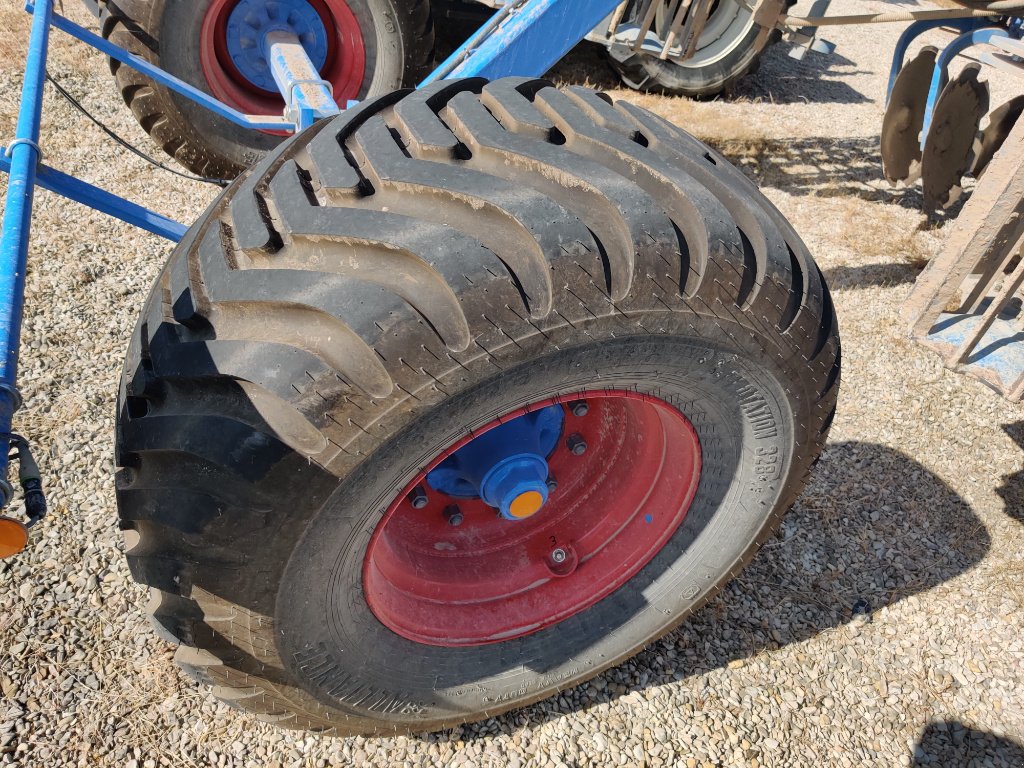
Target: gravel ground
880, 627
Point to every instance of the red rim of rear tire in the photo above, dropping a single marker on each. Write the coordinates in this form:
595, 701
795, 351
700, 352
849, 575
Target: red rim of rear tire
344, 67
488, 580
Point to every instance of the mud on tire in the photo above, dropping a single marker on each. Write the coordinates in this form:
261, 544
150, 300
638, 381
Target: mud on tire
390, 279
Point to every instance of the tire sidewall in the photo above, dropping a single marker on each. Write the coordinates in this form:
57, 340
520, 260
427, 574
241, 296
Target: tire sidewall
180, 27
334, 647
645, 72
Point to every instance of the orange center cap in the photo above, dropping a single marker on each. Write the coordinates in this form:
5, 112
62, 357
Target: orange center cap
13, 537
526, 504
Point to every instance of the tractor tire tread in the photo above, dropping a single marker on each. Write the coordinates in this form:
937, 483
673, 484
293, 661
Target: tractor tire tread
516, 174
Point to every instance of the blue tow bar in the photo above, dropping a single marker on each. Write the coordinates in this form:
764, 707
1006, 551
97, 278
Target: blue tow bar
24, 157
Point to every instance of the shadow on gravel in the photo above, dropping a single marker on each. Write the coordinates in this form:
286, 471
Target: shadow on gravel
781, 79
952, 744
872, 528
827, 167
871, 276
1012, 489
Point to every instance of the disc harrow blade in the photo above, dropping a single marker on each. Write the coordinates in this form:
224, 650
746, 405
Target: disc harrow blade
904, 117
949, 145
1000, 123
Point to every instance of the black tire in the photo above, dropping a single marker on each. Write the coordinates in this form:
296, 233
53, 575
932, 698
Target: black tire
390, 279
399, 39
702, 76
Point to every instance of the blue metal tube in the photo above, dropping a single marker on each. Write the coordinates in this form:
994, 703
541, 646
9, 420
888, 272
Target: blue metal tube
917, 29
941, 73
307, 96
24, 156
103, 201
528, 42
170, 81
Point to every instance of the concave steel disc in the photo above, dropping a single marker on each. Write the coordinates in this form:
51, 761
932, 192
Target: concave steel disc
949, 145
1000, 123
904, 116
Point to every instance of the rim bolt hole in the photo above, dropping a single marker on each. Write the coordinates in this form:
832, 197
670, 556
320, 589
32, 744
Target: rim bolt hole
576, 444
418, 497
579, 408
453, 515
552, 483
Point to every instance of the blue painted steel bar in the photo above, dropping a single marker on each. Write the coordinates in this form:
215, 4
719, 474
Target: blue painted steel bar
255, 122
103, 201
24, 157
917, 29
528, 41
307, 96
941, 73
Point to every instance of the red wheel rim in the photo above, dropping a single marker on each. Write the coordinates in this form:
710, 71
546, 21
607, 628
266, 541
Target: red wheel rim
488, 580
344, 67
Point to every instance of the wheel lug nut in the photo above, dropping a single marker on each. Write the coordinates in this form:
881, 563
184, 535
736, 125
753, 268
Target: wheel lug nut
453, 515
576, 444
552, 483
558, 556
579, 408
418, 497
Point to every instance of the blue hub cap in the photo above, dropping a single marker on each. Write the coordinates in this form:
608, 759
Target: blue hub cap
252, 20
506, 466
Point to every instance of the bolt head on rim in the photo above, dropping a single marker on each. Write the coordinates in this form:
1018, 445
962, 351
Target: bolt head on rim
487, 579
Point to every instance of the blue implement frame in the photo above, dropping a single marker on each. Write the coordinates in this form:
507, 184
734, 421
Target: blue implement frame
973, 31
525, 37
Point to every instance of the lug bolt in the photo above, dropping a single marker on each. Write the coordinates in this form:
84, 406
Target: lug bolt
579, 408
418, 497
552, 483
558, 556
453, 515
576, 444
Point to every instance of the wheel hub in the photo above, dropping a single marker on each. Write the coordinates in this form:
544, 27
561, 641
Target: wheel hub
232, 51
506, 466
252, 20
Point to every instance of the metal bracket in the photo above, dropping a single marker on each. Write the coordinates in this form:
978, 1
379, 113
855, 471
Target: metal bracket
806, 39
308, 97
9, 151
15, 395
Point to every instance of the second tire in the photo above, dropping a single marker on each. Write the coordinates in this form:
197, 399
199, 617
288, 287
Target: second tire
461, 398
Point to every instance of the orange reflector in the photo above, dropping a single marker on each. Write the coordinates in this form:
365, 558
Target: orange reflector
13, 537
526, 504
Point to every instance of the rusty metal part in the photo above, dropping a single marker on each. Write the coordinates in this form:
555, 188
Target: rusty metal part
678, 20
686, 22
616, 19
646, 12
885, 18
904, 116
948, 147
959, 304
1000, 123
